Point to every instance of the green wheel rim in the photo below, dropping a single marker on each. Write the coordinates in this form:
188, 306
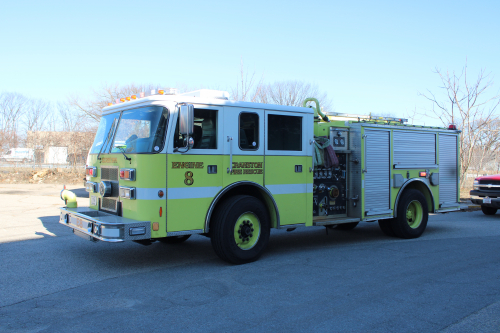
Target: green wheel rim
247, 231
414, 214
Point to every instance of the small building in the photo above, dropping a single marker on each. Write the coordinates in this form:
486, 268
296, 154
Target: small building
53, 147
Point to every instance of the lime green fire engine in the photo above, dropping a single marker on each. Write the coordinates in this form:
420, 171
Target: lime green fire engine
165, 166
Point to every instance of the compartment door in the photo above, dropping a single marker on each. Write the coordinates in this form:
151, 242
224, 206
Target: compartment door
448, 170
376, 171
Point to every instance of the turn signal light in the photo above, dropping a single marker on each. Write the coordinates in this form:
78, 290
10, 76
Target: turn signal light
91, 171
422, 174
127, 174
109, 104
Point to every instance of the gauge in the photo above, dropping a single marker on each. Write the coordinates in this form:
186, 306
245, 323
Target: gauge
336, 142
342, 142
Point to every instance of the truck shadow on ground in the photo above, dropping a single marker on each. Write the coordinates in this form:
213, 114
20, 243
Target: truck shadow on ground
198, 249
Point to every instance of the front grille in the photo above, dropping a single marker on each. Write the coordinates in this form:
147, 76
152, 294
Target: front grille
109, 204
491, 182
109, 173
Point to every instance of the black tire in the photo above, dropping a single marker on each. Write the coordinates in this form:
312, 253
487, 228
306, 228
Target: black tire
489, 210
346, 226
386, 227
174, 239
236, 216
405, 225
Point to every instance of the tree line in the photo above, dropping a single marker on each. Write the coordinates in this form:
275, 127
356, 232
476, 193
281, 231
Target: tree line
468, 102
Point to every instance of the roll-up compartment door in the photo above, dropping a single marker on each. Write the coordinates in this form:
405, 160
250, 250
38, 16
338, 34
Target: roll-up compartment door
377, 171
414, 150
448, 170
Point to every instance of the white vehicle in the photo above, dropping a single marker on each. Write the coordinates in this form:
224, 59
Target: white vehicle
18, 155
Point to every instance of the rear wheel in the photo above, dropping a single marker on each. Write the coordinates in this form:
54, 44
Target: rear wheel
386, 227
489, 210
239, 231
412, 215
174, 239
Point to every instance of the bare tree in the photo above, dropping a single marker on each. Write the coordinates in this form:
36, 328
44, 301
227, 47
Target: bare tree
107, 93
292, 93
468, 104
486, 149
36, 114
247, 87
11, 109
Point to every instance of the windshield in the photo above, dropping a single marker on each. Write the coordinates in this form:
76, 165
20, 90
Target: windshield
102, 132
140, 130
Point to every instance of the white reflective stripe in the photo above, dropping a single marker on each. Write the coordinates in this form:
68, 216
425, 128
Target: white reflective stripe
290, 188
193, 192
149, 193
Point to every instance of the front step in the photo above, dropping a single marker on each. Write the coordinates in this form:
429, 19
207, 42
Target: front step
327, 220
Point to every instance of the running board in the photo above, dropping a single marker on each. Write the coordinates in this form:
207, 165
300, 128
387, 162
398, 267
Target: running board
323, 221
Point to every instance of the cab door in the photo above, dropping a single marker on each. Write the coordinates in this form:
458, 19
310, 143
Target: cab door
243, 146
287, 165
194, 177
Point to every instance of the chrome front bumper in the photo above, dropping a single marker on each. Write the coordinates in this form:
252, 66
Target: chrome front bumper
96, 225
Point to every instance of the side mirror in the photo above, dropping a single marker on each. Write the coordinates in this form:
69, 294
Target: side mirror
186, 119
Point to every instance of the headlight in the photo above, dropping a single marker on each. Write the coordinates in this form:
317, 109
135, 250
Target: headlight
127, 192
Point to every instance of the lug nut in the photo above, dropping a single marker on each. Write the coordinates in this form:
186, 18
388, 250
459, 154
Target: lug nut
241, 237
251, 229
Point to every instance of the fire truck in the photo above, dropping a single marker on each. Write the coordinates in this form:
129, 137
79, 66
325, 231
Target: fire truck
165, 166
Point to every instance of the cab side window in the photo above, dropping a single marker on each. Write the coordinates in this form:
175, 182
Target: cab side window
249, 131
204, 133
285, 132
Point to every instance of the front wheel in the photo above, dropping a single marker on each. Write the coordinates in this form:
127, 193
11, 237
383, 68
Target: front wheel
489, 210
412, 215
239, 230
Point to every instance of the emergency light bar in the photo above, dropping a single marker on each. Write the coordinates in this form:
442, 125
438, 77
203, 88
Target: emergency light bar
167, 91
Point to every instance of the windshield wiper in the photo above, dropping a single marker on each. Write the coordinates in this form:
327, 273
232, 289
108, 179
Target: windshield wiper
122, 149
111, 130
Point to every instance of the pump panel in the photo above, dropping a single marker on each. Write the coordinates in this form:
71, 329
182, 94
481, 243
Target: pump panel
329, 189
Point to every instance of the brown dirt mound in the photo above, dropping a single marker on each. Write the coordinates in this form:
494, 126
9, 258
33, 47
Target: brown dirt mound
39, 176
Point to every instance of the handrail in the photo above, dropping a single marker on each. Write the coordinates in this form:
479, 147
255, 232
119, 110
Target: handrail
317, 110
230, 169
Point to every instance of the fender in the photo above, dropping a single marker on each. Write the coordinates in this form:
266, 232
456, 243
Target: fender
233, 186
404, 186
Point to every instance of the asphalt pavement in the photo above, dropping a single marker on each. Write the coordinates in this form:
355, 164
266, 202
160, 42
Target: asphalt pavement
361, 280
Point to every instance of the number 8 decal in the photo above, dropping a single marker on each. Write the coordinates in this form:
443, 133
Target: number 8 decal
189, 178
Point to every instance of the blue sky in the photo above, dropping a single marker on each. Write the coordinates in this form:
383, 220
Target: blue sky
369, 56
